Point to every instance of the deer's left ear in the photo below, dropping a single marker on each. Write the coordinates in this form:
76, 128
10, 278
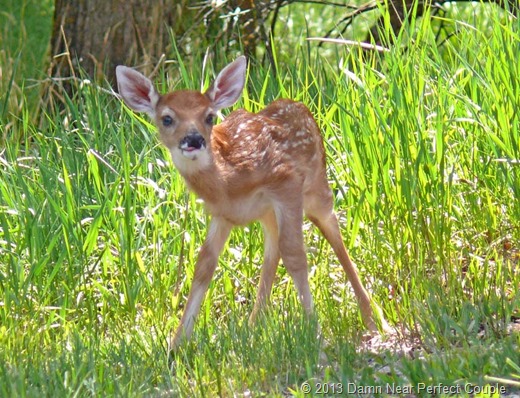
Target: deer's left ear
228, 86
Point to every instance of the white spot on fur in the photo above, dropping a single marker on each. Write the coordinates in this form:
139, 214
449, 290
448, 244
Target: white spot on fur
241, 127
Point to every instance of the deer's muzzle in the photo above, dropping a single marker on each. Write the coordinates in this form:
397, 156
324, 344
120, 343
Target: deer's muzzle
192, 142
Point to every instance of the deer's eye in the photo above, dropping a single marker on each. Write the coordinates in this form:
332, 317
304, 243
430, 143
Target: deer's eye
167, 121
210, 119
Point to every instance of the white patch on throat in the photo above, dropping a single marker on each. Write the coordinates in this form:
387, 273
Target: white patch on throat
190, 162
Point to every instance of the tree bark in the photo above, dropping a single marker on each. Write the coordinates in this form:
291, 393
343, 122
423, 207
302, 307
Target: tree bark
401, 10
249, 21
98, 35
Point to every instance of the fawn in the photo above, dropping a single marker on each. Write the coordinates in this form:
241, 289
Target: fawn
267, 166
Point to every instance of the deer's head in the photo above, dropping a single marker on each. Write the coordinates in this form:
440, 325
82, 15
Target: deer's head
184, 118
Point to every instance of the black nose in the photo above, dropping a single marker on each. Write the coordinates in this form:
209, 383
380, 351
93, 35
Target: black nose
193, 140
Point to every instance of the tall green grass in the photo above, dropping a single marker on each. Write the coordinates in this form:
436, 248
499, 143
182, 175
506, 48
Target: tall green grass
98, 235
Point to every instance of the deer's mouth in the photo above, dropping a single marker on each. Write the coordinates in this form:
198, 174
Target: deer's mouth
192, 145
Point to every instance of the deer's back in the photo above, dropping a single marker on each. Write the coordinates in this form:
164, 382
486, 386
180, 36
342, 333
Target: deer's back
284, 135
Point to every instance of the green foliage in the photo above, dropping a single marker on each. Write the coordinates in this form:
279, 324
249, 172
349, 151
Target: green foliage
98, 236
25, 27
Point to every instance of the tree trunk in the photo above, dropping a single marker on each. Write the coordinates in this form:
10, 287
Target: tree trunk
248, 21
400, 10
98, 35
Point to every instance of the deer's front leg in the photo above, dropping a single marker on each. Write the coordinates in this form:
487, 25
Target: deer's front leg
271, 260
204, 269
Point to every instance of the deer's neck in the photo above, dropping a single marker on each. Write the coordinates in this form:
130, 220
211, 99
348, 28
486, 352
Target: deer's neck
205, 182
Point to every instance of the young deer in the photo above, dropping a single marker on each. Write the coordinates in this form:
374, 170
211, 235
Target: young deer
267, 166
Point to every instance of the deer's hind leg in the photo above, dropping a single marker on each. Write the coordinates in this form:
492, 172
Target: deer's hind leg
318, 205
288, 209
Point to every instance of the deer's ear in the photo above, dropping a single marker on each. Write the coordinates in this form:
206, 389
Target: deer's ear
137, 90
227, 87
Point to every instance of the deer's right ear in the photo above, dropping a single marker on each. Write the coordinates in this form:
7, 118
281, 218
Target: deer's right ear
137, 90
